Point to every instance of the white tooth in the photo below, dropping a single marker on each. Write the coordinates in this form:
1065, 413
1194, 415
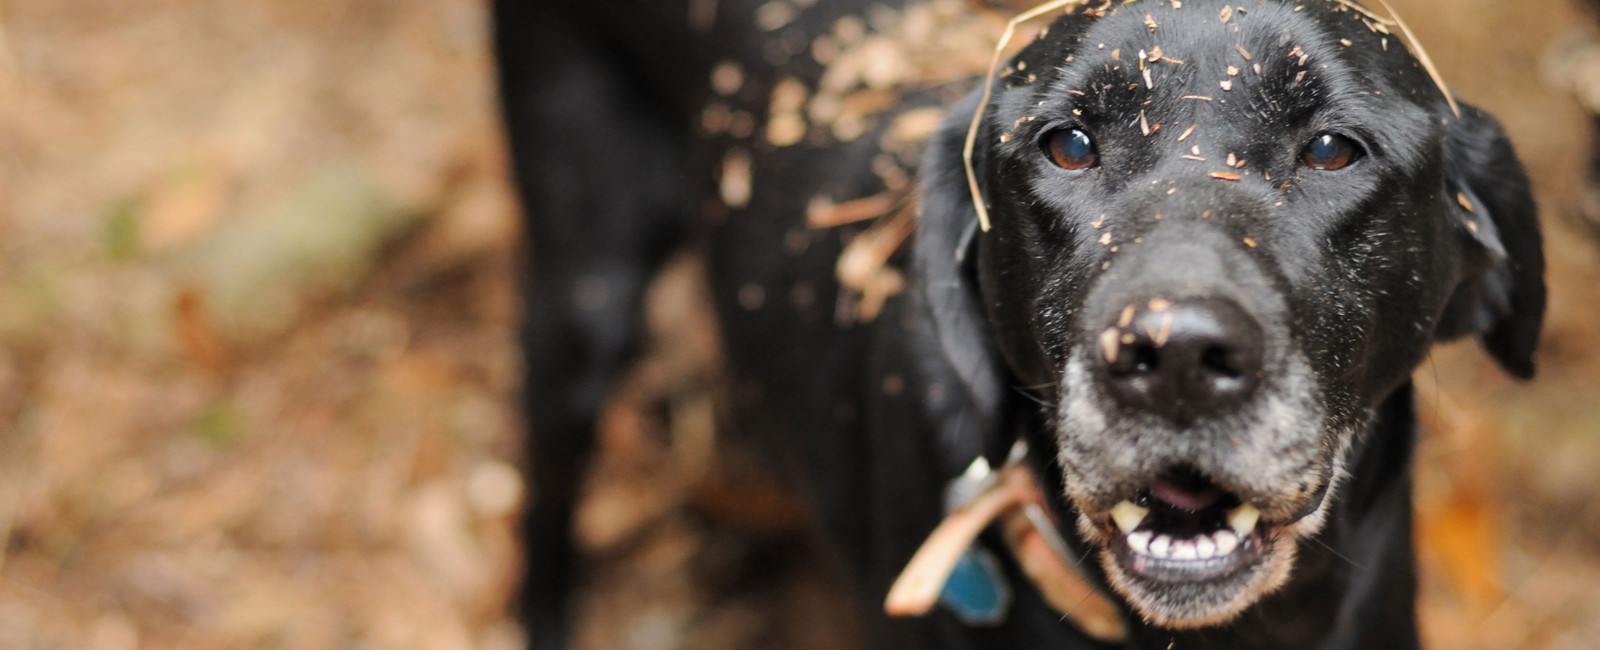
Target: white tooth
1243, 519
1226, 542
1128, 516
1204, 548
1160, 545
1140, 542
1183, 549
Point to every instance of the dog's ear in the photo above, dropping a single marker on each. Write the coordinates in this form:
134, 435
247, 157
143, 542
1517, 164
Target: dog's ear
946, 291
1502, 297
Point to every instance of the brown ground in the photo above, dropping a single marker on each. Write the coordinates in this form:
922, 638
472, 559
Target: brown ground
256, 364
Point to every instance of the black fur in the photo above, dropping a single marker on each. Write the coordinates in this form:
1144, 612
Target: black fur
1350, 275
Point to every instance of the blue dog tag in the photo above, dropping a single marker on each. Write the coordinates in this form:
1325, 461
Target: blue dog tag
977, 592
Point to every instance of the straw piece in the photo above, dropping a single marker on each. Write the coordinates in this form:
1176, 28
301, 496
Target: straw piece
988, 91
1422, 54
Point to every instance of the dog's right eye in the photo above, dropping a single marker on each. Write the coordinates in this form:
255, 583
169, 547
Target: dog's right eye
1071, 149
1328, 152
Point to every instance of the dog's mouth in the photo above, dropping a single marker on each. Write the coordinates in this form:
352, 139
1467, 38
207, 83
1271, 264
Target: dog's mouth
1188, 553
1181, 528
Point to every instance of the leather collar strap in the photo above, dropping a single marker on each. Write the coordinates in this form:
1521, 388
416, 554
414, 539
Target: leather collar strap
1012, 498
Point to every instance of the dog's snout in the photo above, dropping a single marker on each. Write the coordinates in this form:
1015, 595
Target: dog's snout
1182, 360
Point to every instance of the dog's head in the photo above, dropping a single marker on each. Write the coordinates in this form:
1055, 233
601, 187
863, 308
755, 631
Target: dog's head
1222, 236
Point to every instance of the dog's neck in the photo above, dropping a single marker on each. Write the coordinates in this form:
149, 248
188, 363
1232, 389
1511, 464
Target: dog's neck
1354, 584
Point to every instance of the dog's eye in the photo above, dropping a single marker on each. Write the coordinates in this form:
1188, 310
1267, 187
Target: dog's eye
1071, 149
1328, 152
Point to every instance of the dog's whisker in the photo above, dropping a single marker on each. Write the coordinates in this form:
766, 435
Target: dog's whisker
1023, 391
1336, 553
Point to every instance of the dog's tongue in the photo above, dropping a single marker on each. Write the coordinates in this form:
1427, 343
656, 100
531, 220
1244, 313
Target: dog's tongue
1184, 495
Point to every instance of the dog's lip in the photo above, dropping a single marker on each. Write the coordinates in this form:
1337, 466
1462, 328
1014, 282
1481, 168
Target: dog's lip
1249, 551
1281, 507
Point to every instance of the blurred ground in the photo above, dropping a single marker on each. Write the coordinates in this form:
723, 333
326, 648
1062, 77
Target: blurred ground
255, 327
257, 372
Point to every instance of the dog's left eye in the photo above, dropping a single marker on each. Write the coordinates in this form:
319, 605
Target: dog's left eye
1071, 149
1328, 152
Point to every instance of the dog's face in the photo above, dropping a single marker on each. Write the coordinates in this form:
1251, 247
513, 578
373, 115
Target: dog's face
1222, 235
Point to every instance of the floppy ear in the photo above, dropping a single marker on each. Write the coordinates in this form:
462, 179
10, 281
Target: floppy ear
1502, 296
950, 306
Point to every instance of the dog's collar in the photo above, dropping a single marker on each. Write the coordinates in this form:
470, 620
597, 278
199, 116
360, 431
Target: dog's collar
1013, 498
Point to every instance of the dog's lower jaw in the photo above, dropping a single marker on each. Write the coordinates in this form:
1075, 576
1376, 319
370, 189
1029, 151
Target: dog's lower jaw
1178, 605
1346, 576
1172, 602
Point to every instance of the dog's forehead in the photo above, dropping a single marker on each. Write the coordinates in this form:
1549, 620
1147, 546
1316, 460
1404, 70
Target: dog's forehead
1238, 72
1227, 51
1212, 21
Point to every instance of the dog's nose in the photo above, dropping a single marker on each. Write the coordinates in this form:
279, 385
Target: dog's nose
1182, 359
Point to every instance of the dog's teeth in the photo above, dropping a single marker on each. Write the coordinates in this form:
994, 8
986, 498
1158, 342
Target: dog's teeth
1226, 541
1140, 541
1183, 550
1128, 516
1243, 519
1204, 548
1161, 545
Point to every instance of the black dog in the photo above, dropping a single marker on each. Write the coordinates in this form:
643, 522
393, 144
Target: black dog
1223, 235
